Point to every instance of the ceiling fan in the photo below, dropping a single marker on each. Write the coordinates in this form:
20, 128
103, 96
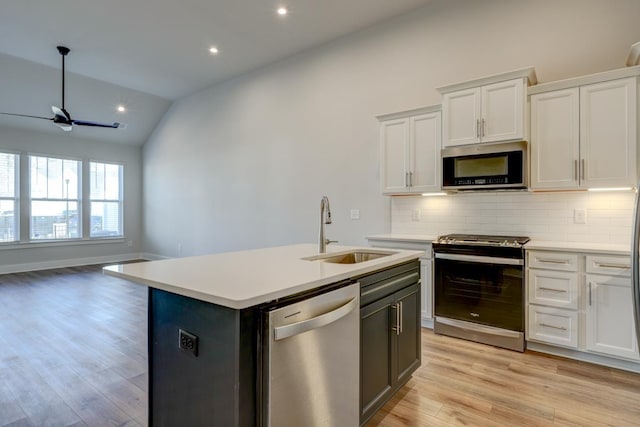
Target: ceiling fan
61, 117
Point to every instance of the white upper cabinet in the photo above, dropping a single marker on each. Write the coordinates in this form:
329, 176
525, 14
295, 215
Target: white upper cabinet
555, 139
584, 136
503, 110
490, 109
410, 151
608, 134
461, 114
394, 158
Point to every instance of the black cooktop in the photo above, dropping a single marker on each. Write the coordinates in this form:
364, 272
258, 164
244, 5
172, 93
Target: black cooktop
482, 240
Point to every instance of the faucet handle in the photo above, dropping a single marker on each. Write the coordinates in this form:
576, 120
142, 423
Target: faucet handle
328, 241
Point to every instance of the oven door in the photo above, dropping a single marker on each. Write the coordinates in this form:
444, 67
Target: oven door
480, 289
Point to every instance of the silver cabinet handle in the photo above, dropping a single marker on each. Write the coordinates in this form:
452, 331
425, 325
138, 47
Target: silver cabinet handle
482, 129
396, 327
560, 328
605, 265
477, 128
406, 179
553, 290
553, 261
582, 172
324, 319
401, 316
575, 170
589, 293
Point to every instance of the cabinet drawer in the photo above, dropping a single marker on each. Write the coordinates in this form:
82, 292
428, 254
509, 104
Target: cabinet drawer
555, 288
553, 260
553, 326
611, 265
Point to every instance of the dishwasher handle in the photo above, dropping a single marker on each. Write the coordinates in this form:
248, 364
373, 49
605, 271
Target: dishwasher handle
324, 319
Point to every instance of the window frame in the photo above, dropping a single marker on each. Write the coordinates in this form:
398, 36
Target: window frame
16, 196
120, 200
78, 200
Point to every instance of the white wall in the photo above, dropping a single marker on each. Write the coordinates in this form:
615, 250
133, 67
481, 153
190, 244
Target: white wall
245, 163
34, 256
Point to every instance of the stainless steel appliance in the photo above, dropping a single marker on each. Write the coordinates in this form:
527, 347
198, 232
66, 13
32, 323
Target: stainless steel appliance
479, 288
311, 372
485, 166
635, 268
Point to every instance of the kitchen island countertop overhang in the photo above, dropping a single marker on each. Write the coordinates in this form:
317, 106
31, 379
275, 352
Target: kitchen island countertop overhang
245, 279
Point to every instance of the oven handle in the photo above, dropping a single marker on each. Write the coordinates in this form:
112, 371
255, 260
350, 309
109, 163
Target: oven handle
481, 259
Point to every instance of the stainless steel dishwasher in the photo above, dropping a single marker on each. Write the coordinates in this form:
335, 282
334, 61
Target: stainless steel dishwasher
311, 368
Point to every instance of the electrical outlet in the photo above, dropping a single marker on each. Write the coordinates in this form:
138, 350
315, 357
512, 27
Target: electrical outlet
355, 213
415, 215
579, 216
188, 342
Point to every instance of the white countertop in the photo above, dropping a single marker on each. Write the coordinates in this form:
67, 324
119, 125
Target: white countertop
610, 248
422, 238
243, 279
548, 245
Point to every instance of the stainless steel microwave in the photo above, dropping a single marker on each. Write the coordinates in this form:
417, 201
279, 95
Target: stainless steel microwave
485, 166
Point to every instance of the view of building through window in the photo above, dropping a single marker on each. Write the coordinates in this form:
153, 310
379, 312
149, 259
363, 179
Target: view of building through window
106, 199
54, 198
56, 206
8, 197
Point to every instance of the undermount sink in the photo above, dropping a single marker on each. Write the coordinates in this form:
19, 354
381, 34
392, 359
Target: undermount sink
352, 257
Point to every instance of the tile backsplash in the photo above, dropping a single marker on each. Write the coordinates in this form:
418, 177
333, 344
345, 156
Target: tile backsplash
541, 216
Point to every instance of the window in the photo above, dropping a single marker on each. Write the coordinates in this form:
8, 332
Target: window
106, 199
55, 200
8, 197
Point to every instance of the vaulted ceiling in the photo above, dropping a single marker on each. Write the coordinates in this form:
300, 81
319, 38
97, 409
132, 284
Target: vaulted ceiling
144, 54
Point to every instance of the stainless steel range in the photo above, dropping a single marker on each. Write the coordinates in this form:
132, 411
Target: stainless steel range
479, 288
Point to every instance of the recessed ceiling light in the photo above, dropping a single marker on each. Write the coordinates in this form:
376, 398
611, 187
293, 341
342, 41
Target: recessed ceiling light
121, 108
282, 11
213, 50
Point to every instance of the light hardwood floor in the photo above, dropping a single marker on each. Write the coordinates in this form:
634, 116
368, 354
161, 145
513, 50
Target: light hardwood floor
73, 353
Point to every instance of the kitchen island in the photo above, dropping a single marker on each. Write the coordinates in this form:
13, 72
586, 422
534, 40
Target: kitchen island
206, 329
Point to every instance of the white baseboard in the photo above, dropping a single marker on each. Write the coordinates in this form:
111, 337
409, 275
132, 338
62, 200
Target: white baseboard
584, 356
74, 262
426, 322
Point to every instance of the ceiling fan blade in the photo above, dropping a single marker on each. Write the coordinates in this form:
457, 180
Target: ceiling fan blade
64, 126
27, 115
114, 125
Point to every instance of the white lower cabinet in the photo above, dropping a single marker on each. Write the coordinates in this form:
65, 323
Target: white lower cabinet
609, 316
581, 302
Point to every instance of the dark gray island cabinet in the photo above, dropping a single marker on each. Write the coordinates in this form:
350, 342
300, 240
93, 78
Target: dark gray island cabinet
207, 359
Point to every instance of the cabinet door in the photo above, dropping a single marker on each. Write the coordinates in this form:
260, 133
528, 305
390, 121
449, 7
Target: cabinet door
424, 153
376, 377
608, 133
555, 139
408, 349
426, 289
460, 117
610, 326
502, 111
394, 156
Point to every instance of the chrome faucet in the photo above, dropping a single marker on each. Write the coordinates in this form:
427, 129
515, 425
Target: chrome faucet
325, 218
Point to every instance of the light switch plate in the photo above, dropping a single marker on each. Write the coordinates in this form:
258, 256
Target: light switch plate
355, 213
579, 216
